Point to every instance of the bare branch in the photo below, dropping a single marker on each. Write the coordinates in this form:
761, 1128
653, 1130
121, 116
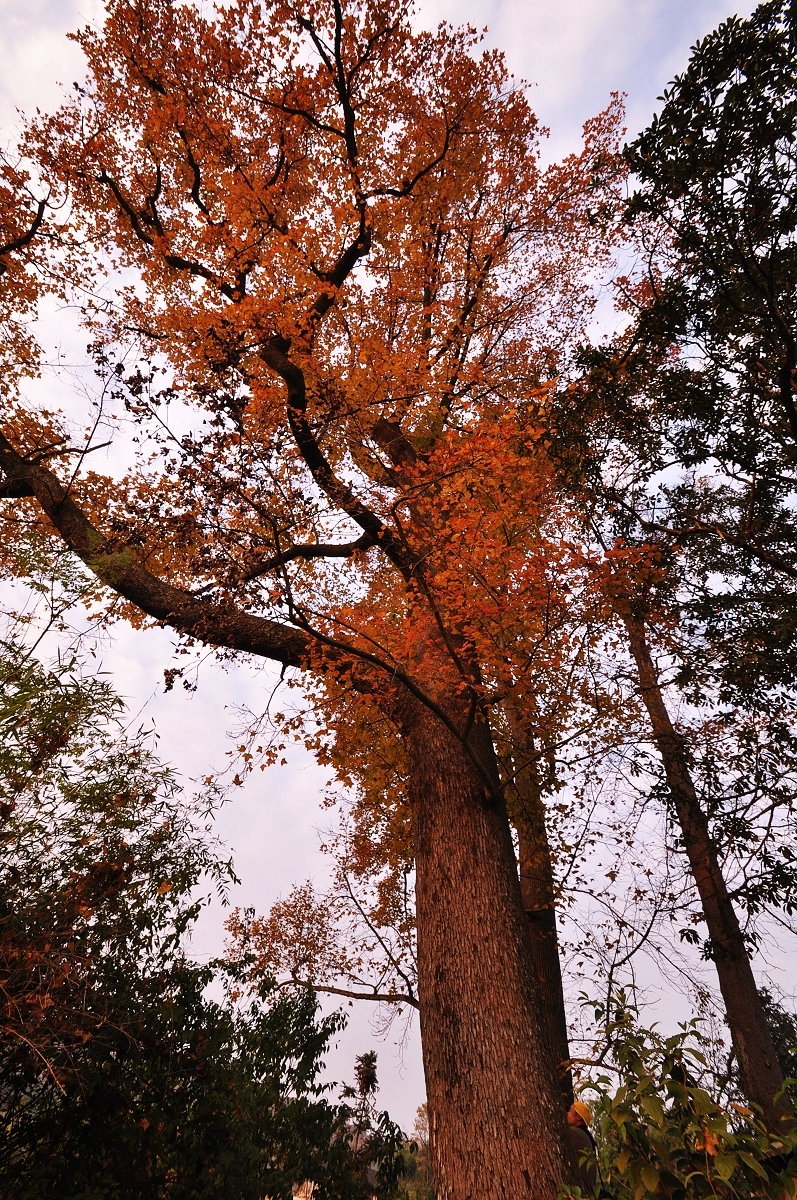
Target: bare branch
318, 550
377, 997
25, 238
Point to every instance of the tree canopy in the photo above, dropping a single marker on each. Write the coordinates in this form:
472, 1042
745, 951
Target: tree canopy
340, 317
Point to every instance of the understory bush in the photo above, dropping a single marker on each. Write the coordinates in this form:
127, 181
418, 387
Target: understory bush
660, 1132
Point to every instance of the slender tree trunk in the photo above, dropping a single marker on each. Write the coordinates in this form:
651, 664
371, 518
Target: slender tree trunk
760, 1071
497, 1123
538, 889
539, 901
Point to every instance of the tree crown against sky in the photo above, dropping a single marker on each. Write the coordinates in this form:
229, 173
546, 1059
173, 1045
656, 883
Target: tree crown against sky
692, 455
348, 257
687, 477
713, 205
367, 315
473, 286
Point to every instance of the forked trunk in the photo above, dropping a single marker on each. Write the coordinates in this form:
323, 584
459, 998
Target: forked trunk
760, 1071
497, 1122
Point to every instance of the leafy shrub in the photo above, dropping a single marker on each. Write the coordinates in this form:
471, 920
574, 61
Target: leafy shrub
120, 1078
660, 1133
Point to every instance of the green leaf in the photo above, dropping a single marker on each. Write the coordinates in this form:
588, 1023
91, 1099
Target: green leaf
650, 1177
654, 1108
725, 1166
701, 1101
752, 1162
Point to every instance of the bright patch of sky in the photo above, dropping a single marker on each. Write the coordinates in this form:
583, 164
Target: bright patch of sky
575, 53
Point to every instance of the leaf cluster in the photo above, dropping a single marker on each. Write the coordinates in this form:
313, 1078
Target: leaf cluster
660, 1133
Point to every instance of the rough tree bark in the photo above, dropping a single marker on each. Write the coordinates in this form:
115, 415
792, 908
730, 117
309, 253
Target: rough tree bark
487, 1058
538, 889
498, 1124
760, 1071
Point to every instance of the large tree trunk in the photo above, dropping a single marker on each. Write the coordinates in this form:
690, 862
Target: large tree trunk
760, 1071
497, 1122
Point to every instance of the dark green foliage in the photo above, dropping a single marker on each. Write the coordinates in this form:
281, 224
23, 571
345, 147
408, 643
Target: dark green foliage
683, 431
416, 1183
715, 207
783, 1025
99, 856
190, 1100
659, 1132
717, 170
119, 1077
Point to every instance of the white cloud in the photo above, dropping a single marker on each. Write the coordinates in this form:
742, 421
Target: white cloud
576, 52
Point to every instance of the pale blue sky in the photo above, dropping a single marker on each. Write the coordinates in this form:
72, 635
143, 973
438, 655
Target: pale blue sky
575, 52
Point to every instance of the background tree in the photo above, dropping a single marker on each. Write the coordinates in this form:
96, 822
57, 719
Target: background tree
692, 464
119, 1076
417, 1181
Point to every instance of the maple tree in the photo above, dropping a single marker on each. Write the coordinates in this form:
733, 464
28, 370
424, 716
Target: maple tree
356, 938
722, 809
355, 282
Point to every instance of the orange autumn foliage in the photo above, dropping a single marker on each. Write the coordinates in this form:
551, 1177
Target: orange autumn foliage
348, 284
22, 217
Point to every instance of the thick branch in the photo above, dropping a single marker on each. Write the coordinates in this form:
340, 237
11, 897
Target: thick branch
786, 379
15, 489
197, 180
343, 89
336, 70
342, 269
215, 624
378, 997
391, 438
24, 238
176, 261
275, 354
